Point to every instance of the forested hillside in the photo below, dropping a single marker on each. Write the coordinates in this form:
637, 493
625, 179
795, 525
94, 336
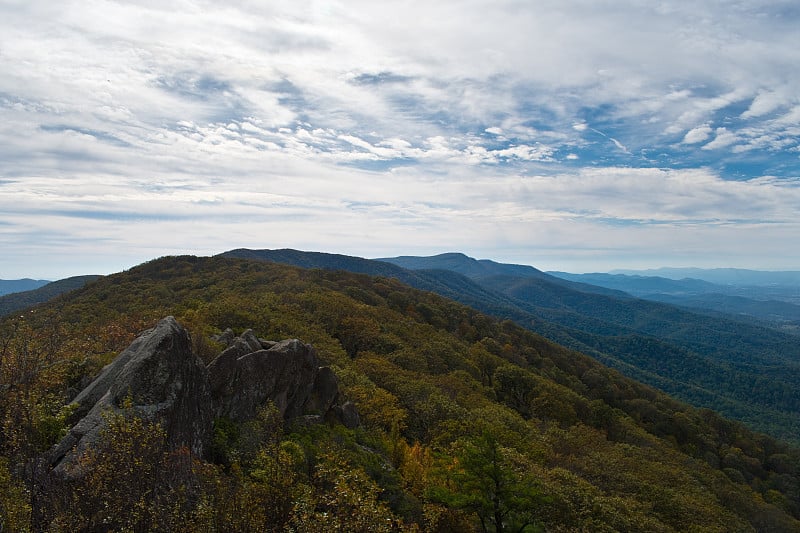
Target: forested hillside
749, 373
769, 304
467, 422
8, 286
20, 300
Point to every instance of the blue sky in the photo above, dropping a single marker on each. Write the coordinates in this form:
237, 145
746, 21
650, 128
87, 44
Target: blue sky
569, 135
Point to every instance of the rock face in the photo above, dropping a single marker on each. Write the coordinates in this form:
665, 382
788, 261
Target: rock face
287, 373
163, 379
166, 382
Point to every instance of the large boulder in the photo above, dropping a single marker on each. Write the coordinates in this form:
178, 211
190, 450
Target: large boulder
287, 373
161, 379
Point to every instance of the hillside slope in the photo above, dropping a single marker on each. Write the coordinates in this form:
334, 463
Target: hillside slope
9, 286
746, 372
10, 303
698, 294
446, 395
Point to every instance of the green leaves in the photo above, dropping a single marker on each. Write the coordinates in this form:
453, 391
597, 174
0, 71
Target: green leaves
491, 481
467, 422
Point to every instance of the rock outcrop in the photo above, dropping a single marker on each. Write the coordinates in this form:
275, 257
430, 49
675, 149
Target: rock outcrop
162, 378
287, 373
166, 382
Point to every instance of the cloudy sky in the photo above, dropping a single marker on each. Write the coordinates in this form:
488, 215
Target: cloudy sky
578, 135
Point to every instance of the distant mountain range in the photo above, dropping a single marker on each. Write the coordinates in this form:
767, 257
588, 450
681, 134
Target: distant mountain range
722, 276
742, 369
720, 354
776, 305
9, 303
8, 286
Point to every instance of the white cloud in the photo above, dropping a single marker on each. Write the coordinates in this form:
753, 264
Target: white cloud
233, 115
765, 102
698, 134
722, 139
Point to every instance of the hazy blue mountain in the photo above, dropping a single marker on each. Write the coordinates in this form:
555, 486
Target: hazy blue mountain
640, 285
748, 372
478, 269
770, 311
9, 286
10, 303
703, 295
463, 264
723, 276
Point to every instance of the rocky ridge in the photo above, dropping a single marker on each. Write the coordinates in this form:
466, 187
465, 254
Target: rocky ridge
160, 378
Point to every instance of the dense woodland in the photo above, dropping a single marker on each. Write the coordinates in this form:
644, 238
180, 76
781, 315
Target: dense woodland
9, 303
739, 368
468, 423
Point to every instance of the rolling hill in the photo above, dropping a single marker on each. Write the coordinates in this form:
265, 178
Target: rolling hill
8, 286
745, 371
10, 303
770, 304
464, 418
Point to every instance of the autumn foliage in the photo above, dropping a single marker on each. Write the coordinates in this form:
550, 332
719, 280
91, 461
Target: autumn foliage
468, 423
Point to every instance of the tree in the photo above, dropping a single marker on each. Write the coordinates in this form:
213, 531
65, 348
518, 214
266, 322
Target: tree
128, 481
15, 509
515, 387
342, 497
493, 483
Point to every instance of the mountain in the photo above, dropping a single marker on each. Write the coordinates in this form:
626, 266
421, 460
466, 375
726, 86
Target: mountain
8, 286
477, 269
745, 370
463, 418
11, 303
642, 285
706, 296
748, 372
724, 276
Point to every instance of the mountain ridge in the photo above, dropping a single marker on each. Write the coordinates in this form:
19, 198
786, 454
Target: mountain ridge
10, 303
620, 332
439, 387
10, 286
731, 276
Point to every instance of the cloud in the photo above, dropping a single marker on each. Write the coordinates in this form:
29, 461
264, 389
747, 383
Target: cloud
697, 135
723, 138
346, 124
765, 102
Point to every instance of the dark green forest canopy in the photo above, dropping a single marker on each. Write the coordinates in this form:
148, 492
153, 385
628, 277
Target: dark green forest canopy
745, 371
446, 395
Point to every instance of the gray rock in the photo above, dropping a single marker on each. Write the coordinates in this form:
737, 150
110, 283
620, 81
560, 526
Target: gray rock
225, 338
325, 391
251, 340
165, 381
345, 414
284, 374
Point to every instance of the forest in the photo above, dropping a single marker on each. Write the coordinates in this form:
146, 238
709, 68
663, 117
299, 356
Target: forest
741, 369
467, 422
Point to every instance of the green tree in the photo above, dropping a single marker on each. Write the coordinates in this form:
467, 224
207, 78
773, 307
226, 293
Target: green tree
515, 387
342, 497
15, 509
128, 481
493, 483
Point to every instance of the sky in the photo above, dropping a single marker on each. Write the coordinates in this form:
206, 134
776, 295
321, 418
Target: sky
572, 135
